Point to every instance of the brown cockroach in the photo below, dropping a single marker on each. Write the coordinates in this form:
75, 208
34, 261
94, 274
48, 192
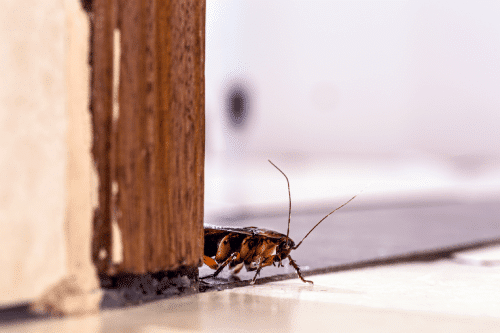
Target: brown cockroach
252, 247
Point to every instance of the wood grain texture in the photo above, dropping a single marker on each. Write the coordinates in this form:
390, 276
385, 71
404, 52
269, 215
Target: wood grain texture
156, 155
101, 61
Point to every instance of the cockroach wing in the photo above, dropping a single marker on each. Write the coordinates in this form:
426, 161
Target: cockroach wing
226, 229
268, 233
214, 234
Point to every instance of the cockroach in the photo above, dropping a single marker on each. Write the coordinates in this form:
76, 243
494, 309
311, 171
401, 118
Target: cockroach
253, 247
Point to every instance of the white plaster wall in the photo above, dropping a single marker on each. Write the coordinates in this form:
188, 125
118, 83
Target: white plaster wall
32, 147
403, 95
360, 77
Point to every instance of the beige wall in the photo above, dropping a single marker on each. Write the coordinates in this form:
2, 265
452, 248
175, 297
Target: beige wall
33, 117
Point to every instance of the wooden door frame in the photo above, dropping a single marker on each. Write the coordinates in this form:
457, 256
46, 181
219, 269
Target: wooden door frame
149, 134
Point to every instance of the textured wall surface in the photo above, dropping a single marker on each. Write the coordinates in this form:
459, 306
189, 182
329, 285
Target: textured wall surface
32, 147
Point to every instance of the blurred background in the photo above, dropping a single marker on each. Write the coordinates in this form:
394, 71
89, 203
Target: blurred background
400, 98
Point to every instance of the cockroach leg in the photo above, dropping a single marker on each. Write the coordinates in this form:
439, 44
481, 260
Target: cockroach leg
210, 262
233, 257
294, 264
238, 268
256, 273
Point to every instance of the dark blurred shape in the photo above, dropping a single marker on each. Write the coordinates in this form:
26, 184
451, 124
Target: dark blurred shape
237, 105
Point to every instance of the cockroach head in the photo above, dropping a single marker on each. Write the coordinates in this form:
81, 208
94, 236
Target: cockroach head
285, 246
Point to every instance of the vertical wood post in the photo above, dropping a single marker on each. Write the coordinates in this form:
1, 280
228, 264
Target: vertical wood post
101, 62
150, 151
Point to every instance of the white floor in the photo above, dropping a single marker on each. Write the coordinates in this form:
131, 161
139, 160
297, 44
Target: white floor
461, 294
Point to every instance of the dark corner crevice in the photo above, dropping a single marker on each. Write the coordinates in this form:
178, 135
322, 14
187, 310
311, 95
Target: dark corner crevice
132, 289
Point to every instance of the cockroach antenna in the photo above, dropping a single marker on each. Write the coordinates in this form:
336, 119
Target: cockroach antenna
289, 201
290, 209
333, 211
324, 218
